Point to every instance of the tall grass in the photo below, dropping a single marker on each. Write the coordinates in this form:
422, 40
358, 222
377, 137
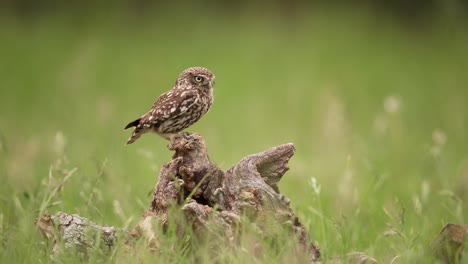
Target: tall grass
377, 111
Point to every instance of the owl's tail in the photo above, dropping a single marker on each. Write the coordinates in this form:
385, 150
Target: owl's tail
136, 133
133, 123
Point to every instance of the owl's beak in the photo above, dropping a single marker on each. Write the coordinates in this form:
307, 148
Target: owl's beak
212, 83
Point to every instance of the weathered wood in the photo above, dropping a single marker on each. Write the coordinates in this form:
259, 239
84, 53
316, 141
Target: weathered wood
449, 244
212, 201
77, 233
249, 188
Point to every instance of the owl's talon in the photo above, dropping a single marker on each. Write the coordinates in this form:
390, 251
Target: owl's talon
170, 146
181, 141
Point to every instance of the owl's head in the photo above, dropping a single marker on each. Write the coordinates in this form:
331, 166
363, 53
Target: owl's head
198, 77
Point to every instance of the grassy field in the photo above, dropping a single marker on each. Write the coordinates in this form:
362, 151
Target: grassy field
377, 110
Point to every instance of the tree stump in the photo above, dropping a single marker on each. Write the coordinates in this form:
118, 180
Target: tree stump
448, 246
215, 201
248, 188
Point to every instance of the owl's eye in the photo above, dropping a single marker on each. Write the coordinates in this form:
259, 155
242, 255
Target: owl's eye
198, 79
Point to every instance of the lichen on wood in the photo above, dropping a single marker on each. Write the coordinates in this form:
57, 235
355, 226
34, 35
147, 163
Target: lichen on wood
77, 234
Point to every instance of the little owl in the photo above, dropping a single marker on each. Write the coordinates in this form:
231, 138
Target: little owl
178, 108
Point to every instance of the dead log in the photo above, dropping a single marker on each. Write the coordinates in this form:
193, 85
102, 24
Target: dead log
211, 200
77, 234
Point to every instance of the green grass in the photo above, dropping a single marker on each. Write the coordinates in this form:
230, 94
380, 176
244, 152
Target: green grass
376, 109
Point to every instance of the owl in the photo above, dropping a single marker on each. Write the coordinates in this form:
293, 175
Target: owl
177, 109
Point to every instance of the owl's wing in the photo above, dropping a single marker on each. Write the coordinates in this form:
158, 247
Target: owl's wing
171, 105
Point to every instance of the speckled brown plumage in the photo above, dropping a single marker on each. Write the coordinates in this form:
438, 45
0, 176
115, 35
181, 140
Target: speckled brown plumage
189, 99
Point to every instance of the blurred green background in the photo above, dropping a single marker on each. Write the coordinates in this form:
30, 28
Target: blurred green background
372, 93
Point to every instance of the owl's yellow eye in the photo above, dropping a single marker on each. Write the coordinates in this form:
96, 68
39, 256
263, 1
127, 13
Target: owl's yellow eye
198, 79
